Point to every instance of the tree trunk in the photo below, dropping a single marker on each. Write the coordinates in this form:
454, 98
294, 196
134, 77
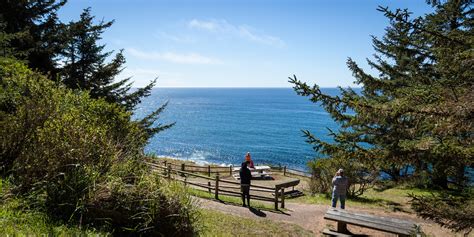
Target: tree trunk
440, 177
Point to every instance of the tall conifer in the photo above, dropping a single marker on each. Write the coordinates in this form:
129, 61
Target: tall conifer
418, 110
37, 31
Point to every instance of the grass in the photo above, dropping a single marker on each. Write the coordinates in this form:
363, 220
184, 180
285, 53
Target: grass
392, 199
219, 224
232, 200
16, 219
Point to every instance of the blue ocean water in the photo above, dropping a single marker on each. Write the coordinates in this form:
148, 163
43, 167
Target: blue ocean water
219, 125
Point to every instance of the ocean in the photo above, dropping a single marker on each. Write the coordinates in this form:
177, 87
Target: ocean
219, 125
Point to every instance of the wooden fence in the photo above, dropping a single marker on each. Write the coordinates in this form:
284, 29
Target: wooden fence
229, 169
288, 171
219, 186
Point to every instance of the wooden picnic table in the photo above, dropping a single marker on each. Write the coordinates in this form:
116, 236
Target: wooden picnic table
259, 171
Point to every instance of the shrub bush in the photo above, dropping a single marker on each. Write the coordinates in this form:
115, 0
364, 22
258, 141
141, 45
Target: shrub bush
80, 158
324, 169
150, 207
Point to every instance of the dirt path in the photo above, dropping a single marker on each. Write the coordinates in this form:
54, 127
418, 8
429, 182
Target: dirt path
311, 217
306, 216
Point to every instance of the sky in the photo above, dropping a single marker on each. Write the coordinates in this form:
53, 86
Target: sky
246, 43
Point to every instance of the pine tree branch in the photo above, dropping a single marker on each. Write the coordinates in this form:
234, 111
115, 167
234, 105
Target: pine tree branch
399, 16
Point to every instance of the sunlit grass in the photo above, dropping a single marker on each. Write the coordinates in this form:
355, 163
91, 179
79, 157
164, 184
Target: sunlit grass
16, 219
233, 200
220, 224
393, 199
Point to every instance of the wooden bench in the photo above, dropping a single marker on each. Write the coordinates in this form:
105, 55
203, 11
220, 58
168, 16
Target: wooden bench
386, 224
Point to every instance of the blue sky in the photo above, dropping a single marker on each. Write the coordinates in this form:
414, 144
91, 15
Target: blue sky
248, 43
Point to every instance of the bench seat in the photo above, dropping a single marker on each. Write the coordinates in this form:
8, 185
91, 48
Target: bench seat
386, 224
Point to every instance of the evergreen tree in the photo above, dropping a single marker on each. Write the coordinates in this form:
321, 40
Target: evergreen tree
417, 112
401, 116
34, 32
31, 31
85, 68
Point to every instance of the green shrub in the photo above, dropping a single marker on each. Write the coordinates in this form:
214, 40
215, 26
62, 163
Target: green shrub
150, 207
79, 159
324, 169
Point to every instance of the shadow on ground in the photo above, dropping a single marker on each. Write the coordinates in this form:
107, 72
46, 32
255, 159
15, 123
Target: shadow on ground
257, 212
279, 211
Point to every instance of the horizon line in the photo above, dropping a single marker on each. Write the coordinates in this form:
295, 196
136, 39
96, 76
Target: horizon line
236, 87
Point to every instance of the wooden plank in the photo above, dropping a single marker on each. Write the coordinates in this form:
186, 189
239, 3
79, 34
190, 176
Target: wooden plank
364, 216
217, 188
195, 175
201, 185
228, 191
391, 225
375, 219
227, 186
289, 183
371, 223
230, 182
375, 226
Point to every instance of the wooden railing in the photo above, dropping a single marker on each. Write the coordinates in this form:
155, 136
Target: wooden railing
288, 171
219, 186
212, 169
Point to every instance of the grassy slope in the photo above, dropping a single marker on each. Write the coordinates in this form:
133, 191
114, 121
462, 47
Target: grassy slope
220, 224
17, 220
266, 206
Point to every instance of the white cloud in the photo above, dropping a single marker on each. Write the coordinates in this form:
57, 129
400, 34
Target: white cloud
207, 25
188, 58
243, 31
174, 38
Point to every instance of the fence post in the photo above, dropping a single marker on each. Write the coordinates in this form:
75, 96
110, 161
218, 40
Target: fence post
217, 187
283, 198
209, 170
169, 172
230, 170
284, 171
165, 164
209, 186
185, 180
276, 197
183, 167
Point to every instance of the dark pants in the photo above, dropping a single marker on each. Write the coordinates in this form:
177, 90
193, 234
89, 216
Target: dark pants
342, 198
245, 188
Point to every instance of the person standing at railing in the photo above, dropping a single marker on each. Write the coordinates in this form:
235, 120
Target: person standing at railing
248, 158
245, 178
340, 183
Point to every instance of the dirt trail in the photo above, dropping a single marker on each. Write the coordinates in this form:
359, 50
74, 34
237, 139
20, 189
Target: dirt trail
311, 217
